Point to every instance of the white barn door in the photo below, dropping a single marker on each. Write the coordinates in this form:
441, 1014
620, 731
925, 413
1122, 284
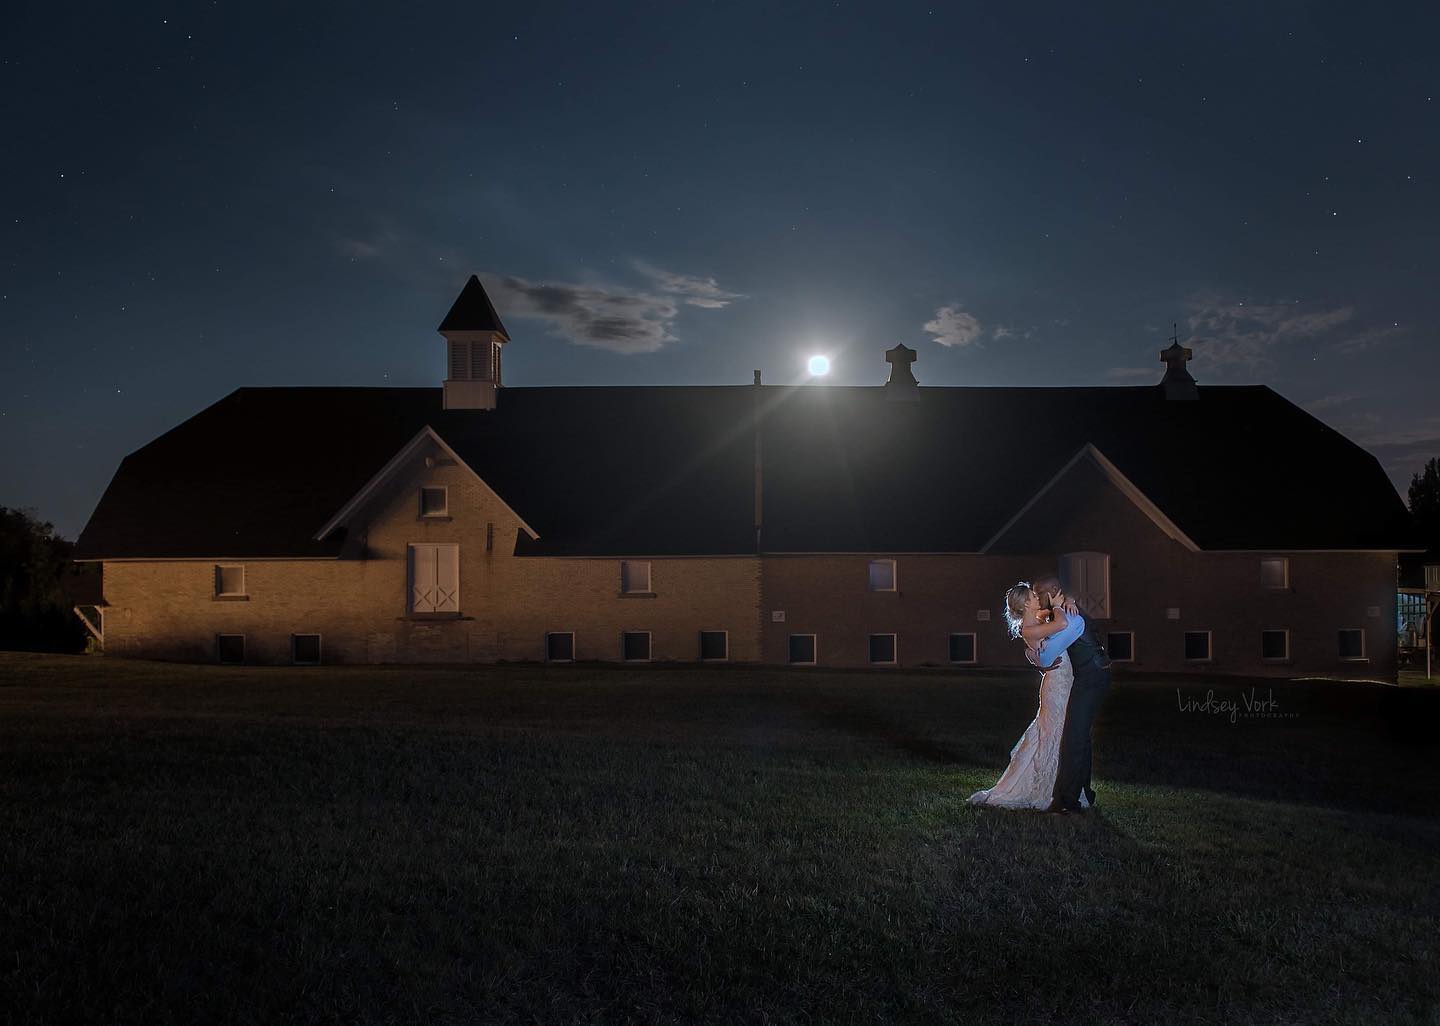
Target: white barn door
434, 578
1086, 577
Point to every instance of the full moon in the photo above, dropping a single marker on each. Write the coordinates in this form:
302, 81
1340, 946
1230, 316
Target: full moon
819, 365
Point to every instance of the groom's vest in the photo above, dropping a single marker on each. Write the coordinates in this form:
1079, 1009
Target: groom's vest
1086, 650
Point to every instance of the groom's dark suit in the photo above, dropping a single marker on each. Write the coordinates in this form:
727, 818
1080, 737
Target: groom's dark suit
1092, 681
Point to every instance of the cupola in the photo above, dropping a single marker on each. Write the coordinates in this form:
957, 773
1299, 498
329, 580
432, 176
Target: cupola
1177, 382
902, 386
473, 337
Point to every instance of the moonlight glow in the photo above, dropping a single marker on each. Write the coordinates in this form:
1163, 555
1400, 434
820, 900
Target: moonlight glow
819, 365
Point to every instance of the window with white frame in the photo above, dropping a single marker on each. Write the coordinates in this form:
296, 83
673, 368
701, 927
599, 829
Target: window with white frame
434, 578
882, 575
434, 501
1352, 643
962, 648
1197, 646
305, 649
714, 646
634, 577
560, 647
230, 648
635, 646
229, 580
1275, 645
1275, 572
1085, 576
1120, 646
882, 648
802, 648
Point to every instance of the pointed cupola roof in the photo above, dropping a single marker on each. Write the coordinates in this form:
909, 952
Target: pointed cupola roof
473, 311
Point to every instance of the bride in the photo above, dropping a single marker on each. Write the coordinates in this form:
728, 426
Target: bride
1029, 781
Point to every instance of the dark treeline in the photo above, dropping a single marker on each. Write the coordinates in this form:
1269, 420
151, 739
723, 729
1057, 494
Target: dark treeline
38, 586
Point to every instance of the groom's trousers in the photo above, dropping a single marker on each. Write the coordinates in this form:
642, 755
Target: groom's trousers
1086, 693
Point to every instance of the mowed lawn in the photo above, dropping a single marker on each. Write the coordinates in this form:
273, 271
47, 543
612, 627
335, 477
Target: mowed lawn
589, 844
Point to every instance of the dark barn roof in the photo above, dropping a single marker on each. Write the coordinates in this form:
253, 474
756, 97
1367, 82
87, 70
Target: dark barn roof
668, 470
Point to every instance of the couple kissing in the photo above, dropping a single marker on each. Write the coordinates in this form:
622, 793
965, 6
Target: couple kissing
1049, 767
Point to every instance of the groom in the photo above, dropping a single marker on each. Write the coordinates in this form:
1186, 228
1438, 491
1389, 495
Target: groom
1092, 680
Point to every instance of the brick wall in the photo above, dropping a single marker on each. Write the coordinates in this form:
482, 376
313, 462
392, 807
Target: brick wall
1150, 573
358, 605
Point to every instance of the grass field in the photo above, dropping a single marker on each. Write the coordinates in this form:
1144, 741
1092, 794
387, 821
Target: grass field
701, 844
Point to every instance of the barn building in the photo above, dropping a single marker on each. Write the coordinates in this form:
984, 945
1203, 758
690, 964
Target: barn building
1207, 529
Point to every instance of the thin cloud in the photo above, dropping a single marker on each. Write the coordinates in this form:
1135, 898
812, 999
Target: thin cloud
1327, 402
1002, 331
1236, 337
954, 327
617, 320
694, 291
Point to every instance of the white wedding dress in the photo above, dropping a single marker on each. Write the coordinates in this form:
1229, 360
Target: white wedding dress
1029, 781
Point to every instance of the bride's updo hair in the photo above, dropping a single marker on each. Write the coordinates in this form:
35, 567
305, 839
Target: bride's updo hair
1015, 599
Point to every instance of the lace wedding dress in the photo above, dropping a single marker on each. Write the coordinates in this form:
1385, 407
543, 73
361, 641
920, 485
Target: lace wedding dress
1029, 781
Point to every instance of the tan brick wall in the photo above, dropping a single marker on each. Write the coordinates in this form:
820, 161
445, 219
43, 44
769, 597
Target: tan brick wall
168, 609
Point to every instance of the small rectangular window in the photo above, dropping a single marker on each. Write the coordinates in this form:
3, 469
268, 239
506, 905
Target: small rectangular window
1275, 572
882, 648
1197, 646
882, 575
634, 576
962, 648
305, 649
802, 648
714, 645
1352, 643
1275, 645
434, 501
229, 580
560, 647
635, 646
1121, 646
230, 648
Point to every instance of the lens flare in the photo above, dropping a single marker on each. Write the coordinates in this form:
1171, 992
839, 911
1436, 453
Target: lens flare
819, 365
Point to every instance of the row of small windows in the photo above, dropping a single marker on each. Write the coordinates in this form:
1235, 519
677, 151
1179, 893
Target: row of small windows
1087, 573
304, 649
884, 649
803, 648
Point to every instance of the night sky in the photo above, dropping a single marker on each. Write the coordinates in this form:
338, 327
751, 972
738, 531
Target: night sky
198, 197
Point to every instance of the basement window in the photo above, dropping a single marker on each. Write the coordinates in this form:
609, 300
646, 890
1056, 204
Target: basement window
305, 649
802, 649
962, 648
230, 648
560, 647
1352, 644
882, 649
1121, 646
1197, 646
714, 646
1275, 645
635, 646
